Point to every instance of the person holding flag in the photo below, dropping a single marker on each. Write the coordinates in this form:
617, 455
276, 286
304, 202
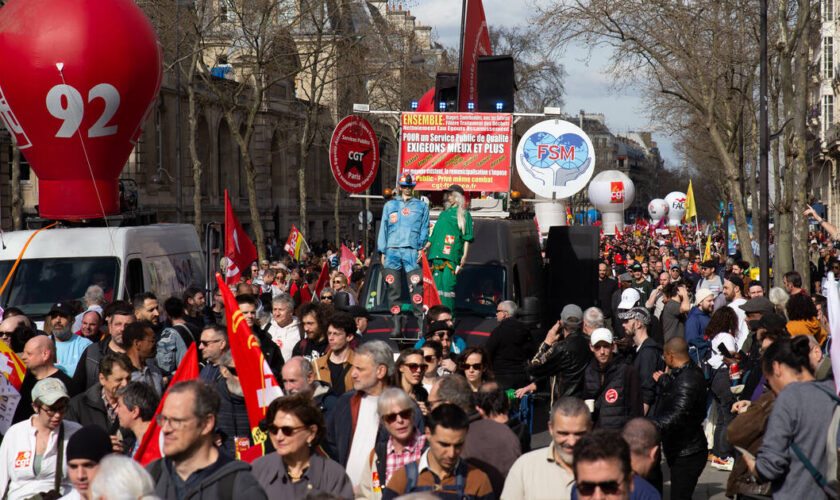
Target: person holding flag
402, 235
449, 243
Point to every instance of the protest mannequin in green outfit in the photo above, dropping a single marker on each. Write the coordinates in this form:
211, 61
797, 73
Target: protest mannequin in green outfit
449, 243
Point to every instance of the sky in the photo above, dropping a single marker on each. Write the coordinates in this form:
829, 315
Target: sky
588, 86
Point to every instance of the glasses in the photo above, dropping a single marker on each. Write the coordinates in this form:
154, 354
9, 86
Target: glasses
175, 423
208, 342
52, 410
392, 417
231, 369
607, 487
285, 429
415, 367
470, 366
327, 297
430, 358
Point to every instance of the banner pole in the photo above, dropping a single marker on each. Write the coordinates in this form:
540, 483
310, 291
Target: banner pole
461, 54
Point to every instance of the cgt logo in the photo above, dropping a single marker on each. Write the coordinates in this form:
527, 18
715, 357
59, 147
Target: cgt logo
23, 459
617, 192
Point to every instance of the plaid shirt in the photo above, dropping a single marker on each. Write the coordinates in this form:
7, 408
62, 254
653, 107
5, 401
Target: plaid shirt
410, 453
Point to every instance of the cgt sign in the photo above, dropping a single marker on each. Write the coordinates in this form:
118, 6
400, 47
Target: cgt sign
617, 192
354, 154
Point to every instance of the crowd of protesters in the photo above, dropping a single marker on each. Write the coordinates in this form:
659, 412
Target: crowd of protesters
682, 363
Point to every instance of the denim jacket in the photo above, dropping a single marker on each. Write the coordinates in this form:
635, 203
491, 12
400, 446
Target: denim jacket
404, 225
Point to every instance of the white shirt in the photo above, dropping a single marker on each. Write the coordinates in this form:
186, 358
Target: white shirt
17, 456
364, 437
73, 495
537, 475
743, 329
285, 336
716, 359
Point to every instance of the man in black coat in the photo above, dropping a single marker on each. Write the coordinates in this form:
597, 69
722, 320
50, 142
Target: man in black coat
606, 288
647, 357
610, 384
679, 414
507, 348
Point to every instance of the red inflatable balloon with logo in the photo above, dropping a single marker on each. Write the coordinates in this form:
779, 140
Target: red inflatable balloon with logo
78, 80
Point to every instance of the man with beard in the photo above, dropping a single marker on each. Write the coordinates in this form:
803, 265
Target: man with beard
314, 344
87, 372
547, 472
68, 347
233, 416
140, 347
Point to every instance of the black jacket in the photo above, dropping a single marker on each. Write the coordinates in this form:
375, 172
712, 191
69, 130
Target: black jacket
88, 408
606, 289
616, 392
567, 360
232, 420
647, 360
507, 347
270, 351
681, 409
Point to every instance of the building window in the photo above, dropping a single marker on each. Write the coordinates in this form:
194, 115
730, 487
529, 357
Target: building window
25, 169
827, 111
827, 10
828, 57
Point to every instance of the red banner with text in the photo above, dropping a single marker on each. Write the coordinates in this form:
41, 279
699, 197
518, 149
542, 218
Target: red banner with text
469, 149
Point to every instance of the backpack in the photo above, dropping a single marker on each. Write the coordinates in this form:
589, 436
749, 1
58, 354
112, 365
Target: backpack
412, 471
829, 482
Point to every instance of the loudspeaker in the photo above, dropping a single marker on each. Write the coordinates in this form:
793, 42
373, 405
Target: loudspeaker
496, 83
446, 90
572, 253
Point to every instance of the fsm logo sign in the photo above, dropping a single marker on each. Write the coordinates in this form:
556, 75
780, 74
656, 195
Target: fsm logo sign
555, 158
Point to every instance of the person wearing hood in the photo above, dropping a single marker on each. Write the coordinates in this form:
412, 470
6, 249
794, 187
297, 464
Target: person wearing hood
803, 318
232, 424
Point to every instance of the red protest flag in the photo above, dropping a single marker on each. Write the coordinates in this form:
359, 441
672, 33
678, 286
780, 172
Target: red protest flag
475, 41
431, 297
346, 262
618, 234
239, 250
426, 104
259, 386
323, 278
150, 447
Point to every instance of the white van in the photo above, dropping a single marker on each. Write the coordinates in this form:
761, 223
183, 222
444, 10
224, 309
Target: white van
59, 264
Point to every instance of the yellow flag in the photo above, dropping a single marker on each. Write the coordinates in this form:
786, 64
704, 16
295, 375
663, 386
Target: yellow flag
708, 253
690, 204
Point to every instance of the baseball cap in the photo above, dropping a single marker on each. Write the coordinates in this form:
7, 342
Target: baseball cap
701, 295
358, 312
638, 313
571, 315
636, 267
675, 266
710, 264
62, 309
49, 390
758, 305
601, 335
629, 298
91, 442
406, 180
456, 188
625, 278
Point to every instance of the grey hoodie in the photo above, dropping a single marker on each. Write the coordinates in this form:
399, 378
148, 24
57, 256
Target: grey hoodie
230, 479
801, 415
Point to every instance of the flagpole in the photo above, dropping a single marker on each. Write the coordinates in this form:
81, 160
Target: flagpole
460, 55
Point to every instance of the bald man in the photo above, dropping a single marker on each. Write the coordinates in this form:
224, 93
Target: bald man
679, 414
7, 328
39, 357
643, 438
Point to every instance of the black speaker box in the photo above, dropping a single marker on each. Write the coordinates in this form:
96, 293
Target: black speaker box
446, 90
496, 83
572, 253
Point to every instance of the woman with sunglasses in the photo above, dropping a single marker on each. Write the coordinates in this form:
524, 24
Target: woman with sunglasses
405, 444
339, 284
409, 376
474, 365
34, 450
296, 469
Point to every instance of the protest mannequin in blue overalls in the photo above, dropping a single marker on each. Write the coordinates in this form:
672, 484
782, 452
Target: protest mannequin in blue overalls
402, 236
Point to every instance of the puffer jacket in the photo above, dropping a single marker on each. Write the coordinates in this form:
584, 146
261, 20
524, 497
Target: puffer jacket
232, 419
681, 409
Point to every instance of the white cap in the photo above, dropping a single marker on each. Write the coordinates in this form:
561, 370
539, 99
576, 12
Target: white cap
701, 295
629, 298
601, 335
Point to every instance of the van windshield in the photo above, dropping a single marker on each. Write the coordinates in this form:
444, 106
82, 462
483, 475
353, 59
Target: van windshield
478, 290
40, 283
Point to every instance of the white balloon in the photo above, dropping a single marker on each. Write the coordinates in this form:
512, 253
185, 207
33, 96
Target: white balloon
657, 209
610, 192
676, 207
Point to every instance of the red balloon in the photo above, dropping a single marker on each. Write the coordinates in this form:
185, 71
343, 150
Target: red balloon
78, 80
